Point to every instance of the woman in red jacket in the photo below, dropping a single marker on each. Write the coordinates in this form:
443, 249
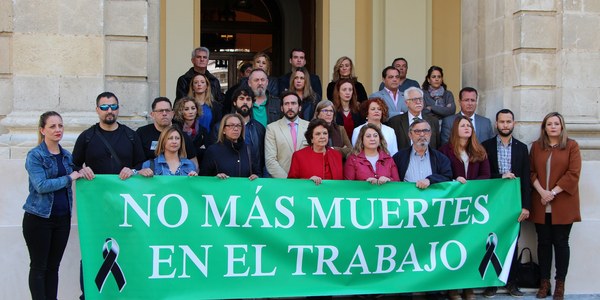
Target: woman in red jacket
555, 171
317, 161
370, 159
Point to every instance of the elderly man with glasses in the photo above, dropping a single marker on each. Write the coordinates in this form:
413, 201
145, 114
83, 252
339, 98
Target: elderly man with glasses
414, 101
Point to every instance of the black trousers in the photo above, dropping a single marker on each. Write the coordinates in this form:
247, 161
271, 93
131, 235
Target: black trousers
553, 235
46, 241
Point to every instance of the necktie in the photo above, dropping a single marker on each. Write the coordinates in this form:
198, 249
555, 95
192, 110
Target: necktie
294, 134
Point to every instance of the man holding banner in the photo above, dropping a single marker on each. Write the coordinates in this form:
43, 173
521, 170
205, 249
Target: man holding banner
509, 159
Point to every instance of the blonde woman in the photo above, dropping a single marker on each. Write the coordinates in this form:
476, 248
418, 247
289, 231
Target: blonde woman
209, 110
344, 69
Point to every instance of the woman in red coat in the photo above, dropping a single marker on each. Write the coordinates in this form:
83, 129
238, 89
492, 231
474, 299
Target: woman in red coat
555, 170
370, 159
317, 161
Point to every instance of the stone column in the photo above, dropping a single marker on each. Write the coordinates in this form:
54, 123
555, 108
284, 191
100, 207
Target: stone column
59, 55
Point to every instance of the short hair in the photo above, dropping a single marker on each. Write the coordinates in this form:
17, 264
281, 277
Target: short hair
426, 84
505, 111
180, 106
161, 99
562, 138
245, 66
202, 49
323, 104
162, 141
416, 122
242, 90
337, 66
364, 108
359, 145
410, 89
314, 123
386, 69
42, 122
106, 95
467, 89
400, 58
254, 70
221, 137
287, 93
297, 50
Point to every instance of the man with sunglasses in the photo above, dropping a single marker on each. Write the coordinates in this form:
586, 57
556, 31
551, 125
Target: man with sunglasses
414, 101
107, 147
162, 116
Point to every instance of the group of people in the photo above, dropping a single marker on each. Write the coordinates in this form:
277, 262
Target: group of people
400, 133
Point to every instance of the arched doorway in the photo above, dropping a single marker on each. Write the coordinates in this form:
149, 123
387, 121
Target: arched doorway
235, 30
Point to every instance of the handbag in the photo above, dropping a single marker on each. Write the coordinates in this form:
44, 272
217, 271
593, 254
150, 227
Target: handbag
528, 275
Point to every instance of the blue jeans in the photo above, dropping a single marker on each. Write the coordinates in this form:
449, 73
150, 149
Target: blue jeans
46, 241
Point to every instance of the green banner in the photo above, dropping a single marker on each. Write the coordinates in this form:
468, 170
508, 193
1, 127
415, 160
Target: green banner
172, 237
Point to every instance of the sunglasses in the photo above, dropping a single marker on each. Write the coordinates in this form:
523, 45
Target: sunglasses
105, 107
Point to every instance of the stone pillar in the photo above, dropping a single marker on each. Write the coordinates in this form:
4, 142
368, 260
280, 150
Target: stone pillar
535, 57
59, 55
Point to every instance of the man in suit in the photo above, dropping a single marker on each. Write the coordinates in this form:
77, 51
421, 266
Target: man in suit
285, 136
390, 93
509, 158
402, 65
420, 163
298, 60
400, 123
468, 104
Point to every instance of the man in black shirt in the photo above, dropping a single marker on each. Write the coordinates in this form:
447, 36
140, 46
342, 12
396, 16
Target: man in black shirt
162, 114
108, 147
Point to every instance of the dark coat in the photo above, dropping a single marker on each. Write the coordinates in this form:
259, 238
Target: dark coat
476, 170
183, 85
440, 165
225, 158
400, 125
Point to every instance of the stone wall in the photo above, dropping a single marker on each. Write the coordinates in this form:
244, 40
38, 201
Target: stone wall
59, 55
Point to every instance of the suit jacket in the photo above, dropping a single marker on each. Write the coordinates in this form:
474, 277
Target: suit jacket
400, 125
519, 165
440, 165
279, 146
393, 110
565, 170
483, 128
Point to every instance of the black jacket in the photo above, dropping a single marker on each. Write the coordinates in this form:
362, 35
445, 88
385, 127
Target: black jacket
440, 165
519, 165
225, 158
183, 85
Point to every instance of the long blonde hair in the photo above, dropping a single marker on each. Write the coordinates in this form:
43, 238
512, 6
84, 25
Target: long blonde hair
338, 66
207, 97
262, 54
162, 141
562, 138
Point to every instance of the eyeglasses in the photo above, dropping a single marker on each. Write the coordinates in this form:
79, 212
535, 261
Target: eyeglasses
105, 107
421, 131
416, 100
234, 126
327, 111
163, 111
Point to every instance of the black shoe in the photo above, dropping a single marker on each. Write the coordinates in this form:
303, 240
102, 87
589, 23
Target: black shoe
490, 292
514, 291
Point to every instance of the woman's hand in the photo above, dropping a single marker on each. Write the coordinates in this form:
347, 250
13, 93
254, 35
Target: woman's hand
87, 173
147, 172
382, 180
222, 176
547, 196
316, 179
461, 179
372, 180
75, 175
192, 173
253, 176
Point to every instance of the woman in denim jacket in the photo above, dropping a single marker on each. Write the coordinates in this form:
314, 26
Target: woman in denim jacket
47, 219
170, 156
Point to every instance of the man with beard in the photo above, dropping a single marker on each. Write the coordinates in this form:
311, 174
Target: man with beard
420, 163
414, 101
107, 147
266, 108
509, 159
285, 136
162, 115
254, 133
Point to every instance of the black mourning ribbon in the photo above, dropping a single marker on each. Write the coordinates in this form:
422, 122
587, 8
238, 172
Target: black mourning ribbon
490, 256
110, 252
